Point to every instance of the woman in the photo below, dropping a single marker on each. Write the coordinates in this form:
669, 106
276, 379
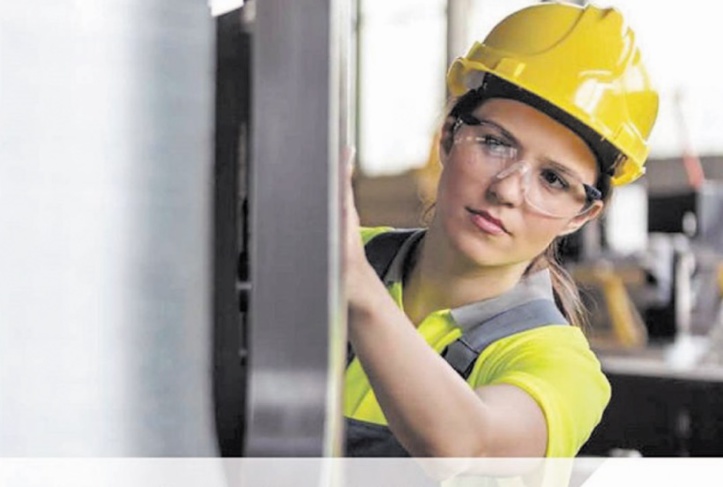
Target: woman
463, 347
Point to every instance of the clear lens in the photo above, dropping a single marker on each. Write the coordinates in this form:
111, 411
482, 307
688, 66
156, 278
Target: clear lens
549, 189
486, 144
563, 204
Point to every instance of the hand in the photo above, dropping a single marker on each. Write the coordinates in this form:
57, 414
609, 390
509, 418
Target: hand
359, 274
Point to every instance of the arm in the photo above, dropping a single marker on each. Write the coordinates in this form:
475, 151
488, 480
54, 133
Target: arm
431, 409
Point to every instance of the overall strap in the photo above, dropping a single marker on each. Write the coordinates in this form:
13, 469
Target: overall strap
381, 249
462, 354
380, 252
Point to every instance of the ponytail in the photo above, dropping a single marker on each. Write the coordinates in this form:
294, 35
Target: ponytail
564, 288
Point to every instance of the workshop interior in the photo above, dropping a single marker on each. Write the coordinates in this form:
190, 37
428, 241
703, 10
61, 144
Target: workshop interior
171, 179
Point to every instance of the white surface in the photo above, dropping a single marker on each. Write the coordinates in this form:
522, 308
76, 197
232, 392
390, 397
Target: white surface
220, 7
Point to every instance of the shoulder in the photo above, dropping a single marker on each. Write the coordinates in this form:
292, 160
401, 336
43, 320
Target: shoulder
555, 365
561, 338
549, 349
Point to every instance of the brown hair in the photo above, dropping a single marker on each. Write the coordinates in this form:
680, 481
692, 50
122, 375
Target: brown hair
564, 287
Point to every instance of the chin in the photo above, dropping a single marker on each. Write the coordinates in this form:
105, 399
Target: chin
479, 250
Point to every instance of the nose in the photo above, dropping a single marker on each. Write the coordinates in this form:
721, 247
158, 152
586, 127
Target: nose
509, 185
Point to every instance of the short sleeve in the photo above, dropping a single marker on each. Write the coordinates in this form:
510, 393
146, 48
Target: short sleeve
554, 365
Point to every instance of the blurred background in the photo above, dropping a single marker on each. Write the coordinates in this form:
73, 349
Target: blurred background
170, 187
650, 269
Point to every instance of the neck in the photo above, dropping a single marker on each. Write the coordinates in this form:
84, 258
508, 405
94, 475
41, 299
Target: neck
441, 278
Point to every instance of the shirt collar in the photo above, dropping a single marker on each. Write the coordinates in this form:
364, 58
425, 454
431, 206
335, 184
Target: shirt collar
531, 287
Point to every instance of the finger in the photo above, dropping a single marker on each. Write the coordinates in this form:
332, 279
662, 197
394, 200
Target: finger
348, 154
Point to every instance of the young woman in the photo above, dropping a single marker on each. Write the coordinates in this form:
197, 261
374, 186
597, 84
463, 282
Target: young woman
465, 336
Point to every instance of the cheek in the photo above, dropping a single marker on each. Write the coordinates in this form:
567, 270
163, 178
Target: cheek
458, 178
447, 187
538, 233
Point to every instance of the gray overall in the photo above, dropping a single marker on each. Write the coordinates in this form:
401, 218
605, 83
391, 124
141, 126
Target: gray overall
516, 311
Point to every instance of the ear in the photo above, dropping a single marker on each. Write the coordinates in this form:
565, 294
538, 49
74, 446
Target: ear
442, 152
444, 140
576, 223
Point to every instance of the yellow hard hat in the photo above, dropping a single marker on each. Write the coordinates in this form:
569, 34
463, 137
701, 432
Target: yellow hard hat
581, 60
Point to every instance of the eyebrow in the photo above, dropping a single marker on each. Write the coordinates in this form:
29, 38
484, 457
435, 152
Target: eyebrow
499, 127
563, 168
514, 139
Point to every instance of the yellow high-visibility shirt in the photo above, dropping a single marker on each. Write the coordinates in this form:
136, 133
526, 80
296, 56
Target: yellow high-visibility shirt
553, 364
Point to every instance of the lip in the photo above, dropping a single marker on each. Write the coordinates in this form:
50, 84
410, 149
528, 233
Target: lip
486, 222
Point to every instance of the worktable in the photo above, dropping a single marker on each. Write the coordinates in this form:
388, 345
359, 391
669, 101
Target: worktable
665, 402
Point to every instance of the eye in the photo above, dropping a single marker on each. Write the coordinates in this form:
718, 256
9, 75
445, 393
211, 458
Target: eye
554, 180
496, 147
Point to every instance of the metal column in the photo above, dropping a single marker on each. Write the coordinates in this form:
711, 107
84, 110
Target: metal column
457, 29
297, 333
233, 100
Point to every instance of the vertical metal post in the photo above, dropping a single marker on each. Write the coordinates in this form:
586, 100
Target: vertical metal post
233, 99
296, 333
457, 28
